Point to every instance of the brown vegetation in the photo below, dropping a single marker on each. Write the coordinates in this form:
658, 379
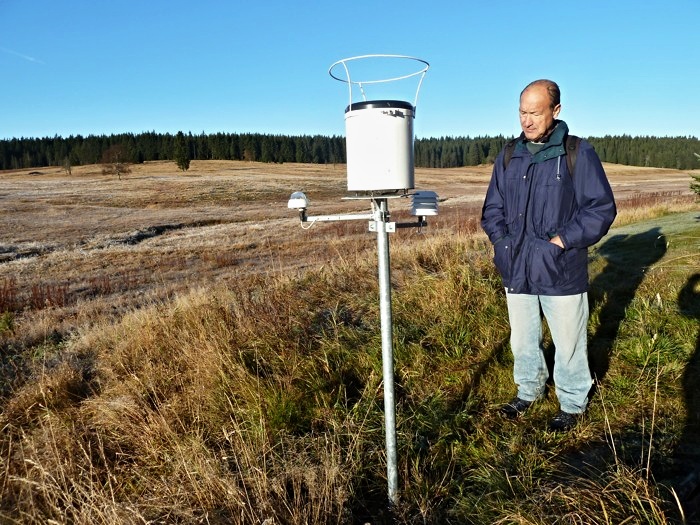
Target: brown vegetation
90, 234
82, 246
212, 368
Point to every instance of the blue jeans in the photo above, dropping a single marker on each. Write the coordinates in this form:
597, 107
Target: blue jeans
567, 318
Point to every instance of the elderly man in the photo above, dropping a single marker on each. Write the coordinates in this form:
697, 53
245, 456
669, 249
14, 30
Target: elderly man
541, 219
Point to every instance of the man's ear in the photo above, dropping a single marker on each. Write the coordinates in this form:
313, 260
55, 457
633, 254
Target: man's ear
556, 111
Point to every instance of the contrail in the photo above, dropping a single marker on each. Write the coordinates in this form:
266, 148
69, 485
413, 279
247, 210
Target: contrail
25, 57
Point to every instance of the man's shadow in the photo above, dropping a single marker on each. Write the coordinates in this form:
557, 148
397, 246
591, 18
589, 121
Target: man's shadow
612, 291
688, 450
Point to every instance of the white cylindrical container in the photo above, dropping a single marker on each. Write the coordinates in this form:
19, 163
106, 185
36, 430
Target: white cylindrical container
379, 145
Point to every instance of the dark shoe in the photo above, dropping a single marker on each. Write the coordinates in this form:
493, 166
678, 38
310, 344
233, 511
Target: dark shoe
515, 408
563, 421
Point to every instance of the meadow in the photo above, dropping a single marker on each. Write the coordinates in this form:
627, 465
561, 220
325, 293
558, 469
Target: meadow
177, 349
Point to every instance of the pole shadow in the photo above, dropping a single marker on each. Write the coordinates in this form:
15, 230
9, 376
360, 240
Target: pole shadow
612, 291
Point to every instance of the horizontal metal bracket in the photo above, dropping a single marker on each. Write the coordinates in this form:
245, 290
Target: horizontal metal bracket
389, 226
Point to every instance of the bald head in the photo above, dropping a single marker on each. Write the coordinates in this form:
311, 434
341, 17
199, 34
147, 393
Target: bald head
539, 107
550, 86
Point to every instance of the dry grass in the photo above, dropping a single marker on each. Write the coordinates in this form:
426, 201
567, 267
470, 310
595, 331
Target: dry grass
177, 349
85, 247
74, 239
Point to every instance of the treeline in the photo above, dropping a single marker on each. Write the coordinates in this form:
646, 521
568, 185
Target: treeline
657, 152
444, 152
78, 150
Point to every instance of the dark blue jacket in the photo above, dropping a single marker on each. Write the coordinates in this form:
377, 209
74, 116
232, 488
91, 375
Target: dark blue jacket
535, 199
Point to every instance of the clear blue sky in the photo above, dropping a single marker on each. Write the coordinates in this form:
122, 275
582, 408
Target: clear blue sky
99, 67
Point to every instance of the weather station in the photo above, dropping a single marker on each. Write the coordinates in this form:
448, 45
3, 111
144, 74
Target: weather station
380, 167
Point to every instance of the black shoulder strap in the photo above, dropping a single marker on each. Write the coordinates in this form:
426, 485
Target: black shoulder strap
572, 142
508, 151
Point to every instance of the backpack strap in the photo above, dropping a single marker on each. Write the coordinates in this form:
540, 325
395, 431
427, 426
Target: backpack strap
508, 151
572, 143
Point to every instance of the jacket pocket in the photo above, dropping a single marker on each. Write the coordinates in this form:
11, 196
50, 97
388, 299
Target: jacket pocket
502, 256
547, 265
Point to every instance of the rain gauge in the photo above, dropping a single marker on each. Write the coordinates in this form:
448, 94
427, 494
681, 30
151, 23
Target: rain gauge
380, 167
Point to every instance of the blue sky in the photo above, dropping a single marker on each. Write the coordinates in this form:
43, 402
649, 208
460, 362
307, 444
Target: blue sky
101, 67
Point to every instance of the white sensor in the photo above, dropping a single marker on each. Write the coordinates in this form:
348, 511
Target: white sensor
424, 203
298, 201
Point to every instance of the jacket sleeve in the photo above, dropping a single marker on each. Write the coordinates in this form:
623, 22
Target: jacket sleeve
596, 208
493, 218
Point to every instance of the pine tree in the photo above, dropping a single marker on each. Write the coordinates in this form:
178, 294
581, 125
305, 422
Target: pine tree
695, 184
182, 152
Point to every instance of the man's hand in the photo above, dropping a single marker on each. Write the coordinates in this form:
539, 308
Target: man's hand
557, 240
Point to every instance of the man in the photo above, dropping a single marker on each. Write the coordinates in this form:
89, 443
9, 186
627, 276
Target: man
541, 219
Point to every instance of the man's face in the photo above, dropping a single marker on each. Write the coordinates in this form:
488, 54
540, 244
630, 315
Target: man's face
536, 113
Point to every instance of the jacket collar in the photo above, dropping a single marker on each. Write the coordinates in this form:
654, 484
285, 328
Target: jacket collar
554, 144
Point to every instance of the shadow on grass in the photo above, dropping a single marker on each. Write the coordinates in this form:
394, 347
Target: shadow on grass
688, 449
612, 291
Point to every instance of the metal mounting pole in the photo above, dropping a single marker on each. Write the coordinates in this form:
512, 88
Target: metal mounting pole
424, 203
387, 350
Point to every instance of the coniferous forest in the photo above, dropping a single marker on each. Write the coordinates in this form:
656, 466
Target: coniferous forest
443, 152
